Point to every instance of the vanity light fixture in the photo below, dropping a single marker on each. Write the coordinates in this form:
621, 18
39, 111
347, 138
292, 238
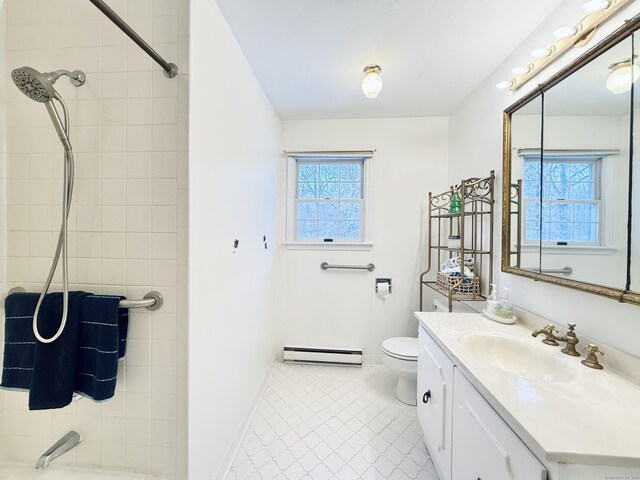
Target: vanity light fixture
565, 32
541, 52
504, 85
623, 74
565, 38
519, 70
372, 81
596, 5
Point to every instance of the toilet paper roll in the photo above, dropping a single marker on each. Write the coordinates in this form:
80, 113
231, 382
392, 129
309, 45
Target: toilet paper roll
384, 289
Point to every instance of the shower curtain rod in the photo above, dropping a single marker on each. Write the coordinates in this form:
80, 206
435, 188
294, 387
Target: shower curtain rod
170, 69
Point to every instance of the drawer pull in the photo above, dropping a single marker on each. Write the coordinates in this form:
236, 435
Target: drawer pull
426, 396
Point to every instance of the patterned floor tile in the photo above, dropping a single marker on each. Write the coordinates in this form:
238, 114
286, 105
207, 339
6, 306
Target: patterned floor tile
335, 423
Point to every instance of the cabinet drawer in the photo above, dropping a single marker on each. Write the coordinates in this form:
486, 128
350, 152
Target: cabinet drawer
435, 400
484, 447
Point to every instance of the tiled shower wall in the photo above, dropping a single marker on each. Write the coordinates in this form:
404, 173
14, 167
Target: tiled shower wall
128, 222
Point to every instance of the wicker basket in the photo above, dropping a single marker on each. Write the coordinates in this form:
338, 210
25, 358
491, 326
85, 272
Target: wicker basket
469, 286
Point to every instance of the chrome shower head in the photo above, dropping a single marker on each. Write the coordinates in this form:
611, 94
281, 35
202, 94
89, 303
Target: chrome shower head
39, 86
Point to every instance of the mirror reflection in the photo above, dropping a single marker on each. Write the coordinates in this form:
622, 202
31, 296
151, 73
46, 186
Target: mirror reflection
585, 173
568, 165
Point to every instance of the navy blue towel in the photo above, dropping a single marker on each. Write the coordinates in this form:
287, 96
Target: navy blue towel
83, 359
19, 341
54, 364
102, 341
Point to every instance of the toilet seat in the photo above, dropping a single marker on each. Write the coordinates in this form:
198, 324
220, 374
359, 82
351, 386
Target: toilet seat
402, 348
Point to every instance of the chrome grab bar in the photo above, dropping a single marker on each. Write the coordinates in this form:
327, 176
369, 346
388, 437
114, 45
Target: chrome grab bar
371, 267
564, 270
151, 301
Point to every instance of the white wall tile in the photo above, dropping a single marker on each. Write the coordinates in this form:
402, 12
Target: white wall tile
124, 130
139, 110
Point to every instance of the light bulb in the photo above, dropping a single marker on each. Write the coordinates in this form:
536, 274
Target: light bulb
541, 52
595, 5
565, 32
519, 70
372, 81
622, 76
504, 85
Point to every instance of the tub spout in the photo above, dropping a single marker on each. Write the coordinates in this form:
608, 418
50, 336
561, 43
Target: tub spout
61, 447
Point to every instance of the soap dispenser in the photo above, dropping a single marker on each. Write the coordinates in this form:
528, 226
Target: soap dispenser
492, 301
505, 310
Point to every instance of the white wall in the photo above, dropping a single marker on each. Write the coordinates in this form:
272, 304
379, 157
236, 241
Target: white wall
127, 227
234, 154
476, 141
340, 308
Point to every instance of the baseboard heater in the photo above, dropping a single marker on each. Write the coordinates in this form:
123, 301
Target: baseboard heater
323, 355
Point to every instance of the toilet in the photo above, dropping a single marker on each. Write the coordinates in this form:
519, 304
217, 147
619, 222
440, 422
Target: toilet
400, 355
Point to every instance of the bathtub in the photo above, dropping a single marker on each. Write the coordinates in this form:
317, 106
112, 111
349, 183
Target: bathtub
14, 471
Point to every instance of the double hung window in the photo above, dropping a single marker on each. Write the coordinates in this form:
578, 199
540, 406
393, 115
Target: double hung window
328, 195
562, 199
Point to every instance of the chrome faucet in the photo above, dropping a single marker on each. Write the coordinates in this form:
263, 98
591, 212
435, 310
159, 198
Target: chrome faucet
61, 447
570, 339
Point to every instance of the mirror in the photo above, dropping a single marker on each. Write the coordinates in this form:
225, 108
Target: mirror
566, 182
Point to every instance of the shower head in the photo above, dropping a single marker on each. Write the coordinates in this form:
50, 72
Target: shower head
39, 86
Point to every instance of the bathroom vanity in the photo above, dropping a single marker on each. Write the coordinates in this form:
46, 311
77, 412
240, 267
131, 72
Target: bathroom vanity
495, 403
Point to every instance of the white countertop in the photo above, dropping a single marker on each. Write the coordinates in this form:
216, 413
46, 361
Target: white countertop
593, 418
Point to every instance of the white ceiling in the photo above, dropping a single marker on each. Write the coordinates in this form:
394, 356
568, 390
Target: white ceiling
309, 55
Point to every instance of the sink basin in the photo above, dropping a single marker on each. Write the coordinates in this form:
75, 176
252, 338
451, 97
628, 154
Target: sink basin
520, 358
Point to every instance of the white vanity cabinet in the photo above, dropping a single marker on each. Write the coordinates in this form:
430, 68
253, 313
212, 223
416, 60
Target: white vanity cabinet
435, 400
484, 447
466, 438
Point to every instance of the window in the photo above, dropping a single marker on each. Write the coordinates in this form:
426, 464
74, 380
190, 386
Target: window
327, 198
571, 207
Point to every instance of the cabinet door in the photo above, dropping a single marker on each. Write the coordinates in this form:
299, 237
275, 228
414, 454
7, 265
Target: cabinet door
484, 447
435, 377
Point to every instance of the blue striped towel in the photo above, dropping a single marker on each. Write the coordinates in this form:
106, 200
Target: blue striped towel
101, 343
19, 341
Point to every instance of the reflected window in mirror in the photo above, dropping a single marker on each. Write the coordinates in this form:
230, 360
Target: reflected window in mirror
570, 186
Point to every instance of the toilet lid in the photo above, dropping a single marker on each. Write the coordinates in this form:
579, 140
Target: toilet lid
405, 348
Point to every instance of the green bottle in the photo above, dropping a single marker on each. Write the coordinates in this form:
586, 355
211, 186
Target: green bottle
455, 206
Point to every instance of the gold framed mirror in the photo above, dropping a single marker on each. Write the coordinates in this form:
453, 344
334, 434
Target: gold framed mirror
568, 177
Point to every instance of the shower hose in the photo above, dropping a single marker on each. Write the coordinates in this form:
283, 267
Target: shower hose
62, 236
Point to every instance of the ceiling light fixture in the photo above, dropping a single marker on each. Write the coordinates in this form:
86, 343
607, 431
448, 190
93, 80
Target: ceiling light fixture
623, 75
566, 37
372, 81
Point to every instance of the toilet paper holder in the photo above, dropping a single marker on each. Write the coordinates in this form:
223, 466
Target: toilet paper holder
383, 280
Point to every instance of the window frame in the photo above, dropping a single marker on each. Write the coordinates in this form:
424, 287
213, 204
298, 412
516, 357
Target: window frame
598, 160
294, 159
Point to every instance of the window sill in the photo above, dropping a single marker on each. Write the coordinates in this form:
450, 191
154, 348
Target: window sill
573, 250
328, 246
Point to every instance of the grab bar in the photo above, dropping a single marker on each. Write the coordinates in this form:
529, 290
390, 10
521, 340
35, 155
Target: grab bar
151, 301
565, 270
371, 267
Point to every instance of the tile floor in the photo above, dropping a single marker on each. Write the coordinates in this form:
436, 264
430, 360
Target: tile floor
340, 423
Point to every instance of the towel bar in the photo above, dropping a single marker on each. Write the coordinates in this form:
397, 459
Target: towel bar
151, 301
